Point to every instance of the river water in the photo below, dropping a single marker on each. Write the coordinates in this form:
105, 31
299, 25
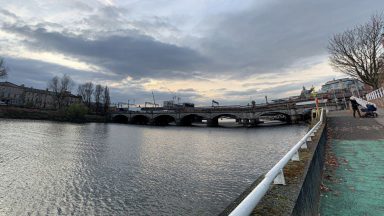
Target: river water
49, 168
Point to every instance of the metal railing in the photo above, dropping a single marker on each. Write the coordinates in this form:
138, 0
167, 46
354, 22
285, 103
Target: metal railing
275, 175
378, 93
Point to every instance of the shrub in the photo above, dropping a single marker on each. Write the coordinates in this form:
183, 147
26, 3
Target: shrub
76, 112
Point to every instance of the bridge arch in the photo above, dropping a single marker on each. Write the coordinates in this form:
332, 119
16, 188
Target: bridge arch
189, 119
163, 120
120, 119
214, 121
280, 116
226, 115
139, 119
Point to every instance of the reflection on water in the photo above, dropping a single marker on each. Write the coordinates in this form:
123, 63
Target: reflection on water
109, 169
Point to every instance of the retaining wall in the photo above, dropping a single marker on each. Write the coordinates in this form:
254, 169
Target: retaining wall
308, 200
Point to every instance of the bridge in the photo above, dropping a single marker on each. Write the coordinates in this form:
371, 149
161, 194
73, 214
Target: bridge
288, 112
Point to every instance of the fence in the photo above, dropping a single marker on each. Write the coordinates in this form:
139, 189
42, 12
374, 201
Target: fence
275, 175
378, 93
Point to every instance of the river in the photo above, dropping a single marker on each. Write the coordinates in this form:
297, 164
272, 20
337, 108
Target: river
51, 168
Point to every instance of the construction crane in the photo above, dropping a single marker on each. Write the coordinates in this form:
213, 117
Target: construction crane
150, 103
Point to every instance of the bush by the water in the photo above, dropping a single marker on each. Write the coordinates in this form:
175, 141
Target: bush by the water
76, 112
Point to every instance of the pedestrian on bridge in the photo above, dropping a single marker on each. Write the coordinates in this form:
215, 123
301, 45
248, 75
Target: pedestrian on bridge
355, 106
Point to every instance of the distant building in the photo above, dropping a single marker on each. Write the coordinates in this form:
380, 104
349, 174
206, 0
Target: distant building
347, 84
16, 95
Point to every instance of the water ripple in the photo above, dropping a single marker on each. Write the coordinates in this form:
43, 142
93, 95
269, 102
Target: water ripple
106, 169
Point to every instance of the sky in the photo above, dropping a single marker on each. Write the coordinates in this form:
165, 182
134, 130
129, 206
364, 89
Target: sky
198, 50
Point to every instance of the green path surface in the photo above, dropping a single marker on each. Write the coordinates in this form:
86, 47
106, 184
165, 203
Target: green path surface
356, 183
357, 187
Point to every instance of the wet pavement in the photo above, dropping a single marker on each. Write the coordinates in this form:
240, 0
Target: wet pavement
354, 175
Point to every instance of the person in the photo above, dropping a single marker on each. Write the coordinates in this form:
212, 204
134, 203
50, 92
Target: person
355, 106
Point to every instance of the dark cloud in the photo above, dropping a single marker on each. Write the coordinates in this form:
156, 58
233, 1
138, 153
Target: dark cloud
280, 33
136, 56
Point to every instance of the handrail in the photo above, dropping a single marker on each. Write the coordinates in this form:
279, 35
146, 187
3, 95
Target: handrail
249, 203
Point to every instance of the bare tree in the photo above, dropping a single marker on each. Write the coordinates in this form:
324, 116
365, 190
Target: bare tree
98, 96
106, 99
86, 91
81, 92
61, 88
3, 69
356, 52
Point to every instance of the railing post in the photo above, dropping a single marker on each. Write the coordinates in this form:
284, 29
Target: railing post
304, 146
296, 156
280, 178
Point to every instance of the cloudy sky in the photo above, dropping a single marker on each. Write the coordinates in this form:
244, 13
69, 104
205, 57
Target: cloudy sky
232, 51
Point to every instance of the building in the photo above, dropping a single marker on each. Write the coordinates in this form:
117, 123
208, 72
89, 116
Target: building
345, 84
16, 95
340, 90
11, 93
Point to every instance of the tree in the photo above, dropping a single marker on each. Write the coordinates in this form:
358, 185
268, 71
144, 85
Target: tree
3, 69
81, 92
86, 91
61, 88
107, 99
98, 96
356, 52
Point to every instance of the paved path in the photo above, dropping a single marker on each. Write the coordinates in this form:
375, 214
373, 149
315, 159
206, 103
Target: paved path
354, 176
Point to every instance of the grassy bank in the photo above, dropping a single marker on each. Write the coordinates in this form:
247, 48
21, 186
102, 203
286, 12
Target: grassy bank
52, 115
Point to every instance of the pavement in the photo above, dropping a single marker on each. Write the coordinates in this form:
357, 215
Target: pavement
354, 168
380, 119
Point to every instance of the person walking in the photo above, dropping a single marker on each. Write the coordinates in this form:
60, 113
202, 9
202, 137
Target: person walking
355, 106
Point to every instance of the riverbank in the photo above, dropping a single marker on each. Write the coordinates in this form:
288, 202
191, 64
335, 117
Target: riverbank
52, 115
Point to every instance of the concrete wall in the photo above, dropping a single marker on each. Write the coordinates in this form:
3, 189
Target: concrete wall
308, 200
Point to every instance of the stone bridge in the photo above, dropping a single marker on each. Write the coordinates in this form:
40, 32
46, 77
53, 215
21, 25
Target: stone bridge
248, 116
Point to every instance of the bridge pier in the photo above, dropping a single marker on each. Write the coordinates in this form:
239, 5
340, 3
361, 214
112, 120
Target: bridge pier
179, 122
212, 122
255, 121
250, 122
294, 119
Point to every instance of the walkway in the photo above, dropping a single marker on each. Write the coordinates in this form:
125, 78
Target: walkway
354, 175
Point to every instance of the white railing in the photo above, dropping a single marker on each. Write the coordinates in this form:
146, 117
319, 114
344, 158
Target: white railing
275, 175
378, 93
